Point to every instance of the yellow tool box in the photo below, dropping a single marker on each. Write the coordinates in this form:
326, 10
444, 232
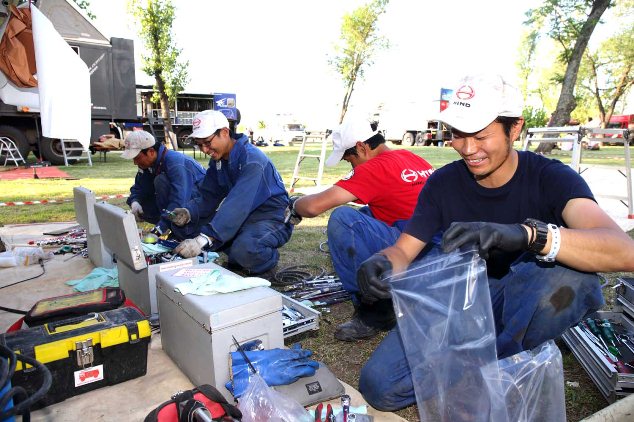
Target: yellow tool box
83, 353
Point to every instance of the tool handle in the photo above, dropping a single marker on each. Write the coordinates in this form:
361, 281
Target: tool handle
608, 331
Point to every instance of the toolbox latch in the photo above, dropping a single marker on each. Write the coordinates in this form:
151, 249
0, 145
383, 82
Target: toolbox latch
84, 352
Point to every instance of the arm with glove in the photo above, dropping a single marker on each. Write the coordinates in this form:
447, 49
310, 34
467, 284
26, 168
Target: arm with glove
275, 366
488, 237
190, 248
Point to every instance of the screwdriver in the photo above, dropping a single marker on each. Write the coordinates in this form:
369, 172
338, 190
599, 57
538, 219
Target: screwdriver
595, 330
608, 331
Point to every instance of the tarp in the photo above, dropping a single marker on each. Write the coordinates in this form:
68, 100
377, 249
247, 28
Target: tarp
63, 92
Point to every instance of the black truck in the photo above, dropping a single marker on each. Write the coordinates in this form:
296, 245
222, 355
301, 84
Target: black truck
112, 84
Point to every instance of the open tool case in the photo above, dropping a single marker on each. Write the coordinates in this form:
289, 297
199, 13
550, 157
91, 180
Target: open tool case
613, 379
82, 353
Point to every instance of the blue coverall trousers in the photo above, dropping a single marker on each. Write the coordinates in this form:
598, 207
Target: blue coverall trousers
353, 236
254, 247
534, 302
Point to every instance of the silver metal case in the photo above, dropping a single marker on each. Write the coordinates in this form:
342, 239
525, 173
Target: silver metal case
196, 331
136, 278
98, 253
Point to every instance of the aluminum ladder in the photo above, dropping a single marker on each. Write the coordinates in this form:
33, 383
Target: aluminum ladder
11, 151
301, 155
69, 145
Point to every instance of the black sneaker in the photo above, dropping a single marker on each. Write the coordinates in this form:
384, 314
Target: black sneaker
354, 330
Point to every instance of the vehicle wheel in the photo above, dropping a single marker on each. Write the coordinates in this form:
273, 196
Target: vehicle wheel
18, 139
420, 139
51, 150
183, 140
408, 139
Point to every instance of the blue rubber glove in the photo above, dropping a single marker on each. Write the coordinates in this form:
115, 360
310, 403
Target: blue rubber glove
276, 366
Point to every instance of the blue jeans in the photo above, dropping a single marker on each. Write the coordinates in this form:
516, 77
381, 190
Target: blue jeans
158, 200
533, 303
354, 236
255, 245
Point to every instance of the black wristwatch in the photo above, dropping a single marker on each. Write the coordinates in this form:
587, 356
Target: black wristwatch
541, 235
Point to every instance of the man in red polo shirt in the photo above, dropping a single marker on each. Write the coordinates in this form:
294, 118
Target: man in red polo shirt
388, 182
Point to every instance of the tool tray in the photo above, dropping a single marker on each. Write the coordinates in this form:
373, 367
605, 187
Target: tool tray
625, 295
309, 319
82, 353
611, 383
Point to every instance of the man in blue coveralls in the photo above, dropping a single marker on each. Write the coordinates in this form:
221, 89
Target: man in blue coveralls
166, 180
242, 203
534, 220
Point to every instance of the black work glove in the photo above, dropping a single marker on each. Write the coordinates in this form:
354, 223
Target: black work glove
372, 286
487, 236
290, 215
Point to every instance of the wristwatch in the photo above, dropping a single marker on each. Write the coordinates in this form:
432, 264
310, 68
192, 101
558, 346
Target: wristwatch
541, 235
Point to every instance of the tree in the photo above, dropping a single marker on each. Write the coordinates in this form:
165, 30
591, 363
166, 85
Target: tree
155, 18
571, 24
85, 6
607, 74
359, 41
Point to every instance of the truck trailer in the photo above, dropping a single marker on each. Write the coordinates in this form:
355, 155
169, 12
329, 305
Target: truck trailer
112, 85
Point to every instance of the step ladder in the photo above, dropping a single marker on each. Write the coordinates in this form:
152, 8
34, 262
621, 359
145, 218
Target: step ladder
10, 151
70, 145
301, 155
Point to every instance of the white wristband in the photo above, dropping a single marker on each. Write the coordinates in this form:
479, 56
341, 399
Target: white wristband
555, 244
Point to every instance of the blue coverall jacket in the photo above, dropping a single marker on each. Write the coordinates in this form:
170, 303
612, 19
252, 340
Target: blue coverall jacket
170, 183
242, 207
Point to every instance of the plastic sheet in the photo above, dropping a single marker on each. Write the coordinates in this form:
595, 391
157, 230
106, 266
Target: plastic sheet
28, 255
262, 403
444, 315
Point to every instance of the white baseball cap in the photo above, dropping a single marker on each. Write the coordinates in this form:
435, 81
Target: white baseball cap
207, 122
135, 141
478, 100
347, 135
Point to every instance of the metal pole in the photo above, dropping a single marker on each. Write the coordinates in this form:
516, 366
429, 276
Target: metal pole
628, 173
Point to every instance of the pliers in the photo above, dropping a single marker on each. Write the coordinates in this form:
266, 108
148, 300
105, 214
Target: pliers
330, 416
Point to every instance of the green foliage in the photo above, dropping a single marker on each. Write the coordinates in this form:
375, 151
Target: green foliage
534, 117
155, 18
607, 74
85, 6
359, 41
560, 20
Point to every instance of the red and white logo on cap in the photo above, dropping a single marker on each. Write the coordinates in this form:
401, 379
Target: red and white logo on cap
196, 124
465, 92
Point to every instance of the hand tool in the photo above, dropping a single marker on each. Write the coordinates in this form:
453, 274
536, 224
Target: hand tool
345, 405
607, 330
595, 331
170, 214
244, 355
625, 339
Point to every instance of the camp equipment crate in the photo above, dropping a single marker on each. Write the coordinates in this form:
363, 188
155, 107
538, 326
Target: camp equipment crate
197, 331
83, 353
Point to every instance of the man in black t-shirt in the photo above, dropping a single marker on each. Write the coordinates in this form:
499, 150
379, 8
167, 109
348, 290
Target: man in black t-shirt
521, 211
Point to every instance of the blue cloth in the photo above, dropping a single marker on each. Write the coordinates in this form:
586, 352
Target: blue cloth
540, 188
242, 207
98, 278
533, 303
170, 183
353, 236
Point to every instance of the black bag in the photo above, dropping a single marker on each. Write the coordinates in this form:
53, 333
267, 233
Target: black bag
185, 404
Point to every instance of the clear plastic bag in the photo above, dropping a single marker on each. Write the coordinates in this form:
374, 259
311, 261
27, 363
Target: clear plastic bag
444, 315
27, 255
261, 403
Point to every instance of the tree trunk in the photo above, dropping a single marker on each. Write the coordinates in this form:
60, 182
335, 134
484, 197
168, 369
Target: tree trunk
165, 111
567, 103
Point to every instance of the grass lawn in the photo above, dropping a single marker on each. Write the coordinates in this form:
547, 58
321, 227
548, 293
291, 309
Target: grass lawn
345, 359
